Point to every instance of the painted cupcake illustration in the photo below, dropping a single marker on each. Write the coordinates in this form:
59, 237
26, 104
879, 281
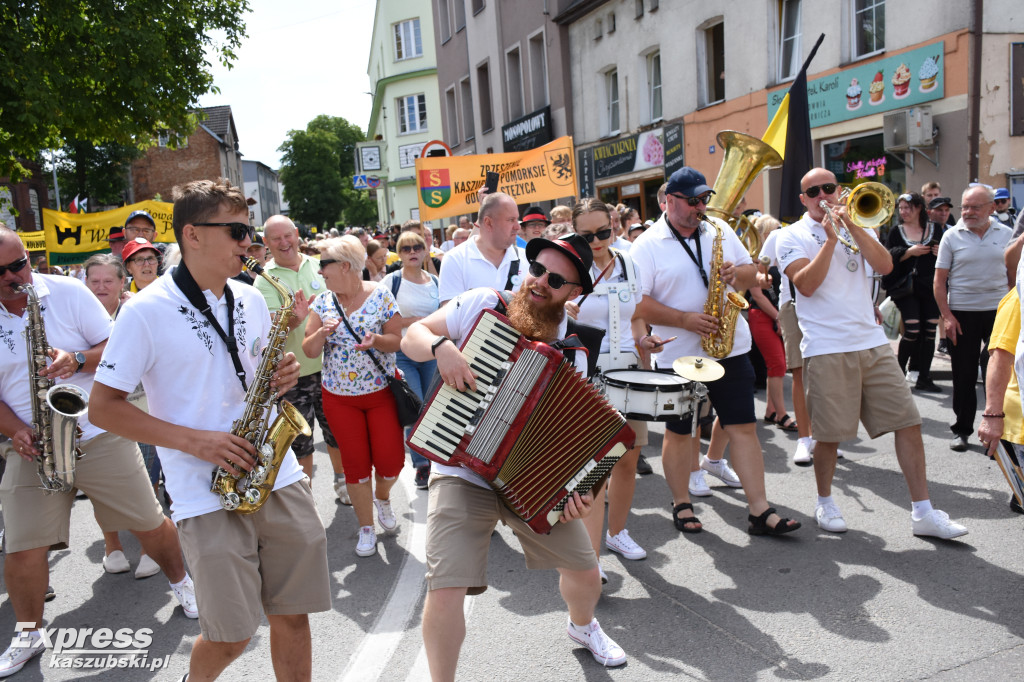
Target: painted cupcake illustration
901, 81
853, 95
877, 89
928, 73
653, 151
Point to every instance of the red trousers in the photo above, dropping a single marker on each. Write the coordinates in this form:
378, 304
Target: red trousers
768, 342
368, 433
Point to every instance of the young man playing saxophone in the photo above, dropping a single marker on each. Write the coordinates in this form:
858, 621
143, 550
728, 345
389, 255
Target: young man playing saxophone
112, 474
674, 258
172, 337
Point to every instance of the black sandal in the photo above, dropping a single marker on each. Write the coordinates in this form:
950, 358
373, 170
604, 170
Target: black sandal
759, 524
686, 523
786, 423
770, 418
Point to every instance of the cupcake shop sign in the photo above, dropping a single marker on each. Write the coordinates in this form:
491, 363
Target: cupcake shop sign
897, 82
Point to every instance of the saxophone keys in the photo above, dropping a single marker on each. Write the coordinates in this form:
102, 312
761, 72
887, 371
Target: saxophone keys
253, 496
258, 475
230, 501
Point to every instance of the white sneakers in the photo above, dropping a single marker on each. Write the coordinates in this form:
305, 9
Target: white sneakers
604, 649
721, 470
802, 456
185, 591
912, 376
385, 515
341, 490
116, 562
937, 524
146, 567
15, 658
830, 518
624, 545
367, 545
698, 484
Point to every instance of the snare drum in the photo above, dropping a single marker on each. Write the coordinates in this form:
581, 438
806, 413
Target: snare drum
648, 396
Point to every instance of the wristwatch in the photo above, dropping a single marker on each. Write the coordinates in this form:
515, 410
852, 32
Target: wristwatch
437, 344
80, 357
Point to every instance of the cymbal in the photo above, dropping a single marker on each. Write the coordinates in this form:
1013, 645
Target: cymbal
698, 369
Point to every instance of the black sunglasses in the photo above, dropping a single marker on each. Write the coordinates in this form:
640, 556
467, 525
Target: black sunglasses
827, 188
239, 231
555, 281
600, 234
15, 266
415, 248
695, 201
327, 261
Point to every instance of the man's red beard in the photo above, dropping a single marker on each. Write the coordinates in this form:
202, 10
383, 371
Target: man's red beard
536, 321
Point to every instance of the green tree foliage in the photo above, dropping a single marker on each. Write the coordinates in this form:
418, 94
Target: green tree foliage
107, 72
99, 173
360, 209
316, 170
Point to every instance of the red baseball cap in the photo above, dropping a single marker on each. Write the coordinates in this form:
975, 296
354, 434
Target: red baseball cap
134, 246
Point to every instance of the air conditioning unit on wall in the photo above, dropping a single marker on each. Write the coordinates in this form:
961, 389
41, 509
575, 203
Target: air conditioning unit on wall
907, 128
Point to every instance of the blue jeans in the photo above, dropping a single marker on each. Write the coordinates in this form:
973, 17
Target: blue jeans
419, 375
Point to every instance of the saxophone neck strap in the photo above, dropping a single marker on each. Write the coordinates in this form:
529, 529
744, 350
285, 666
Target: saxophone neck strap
187, 283
698, 258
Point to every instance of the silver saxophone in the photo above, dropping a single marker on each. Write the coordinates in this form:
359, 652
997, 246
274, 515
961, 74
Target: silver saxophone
55, 408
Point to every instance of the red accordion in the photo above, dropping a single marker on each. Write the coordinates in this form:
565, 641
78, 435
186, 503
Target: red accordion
534, 429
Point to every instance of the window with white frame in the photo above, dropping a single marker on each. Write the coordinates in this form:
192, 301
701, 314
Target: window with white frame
611, 80
412, 114
452, 110
460, 15
789, 40
466, 93
538, 71
654, 85
483, 86
711, 55
868, 27
514, 77
444, 20
407, 39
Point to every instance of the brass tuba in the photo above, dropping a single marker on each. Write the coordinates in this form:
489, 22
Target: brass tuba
744, 158
870, 205
245, 493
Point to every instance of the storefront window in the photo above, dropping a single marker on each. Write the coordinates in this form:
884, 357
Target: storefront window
863, 159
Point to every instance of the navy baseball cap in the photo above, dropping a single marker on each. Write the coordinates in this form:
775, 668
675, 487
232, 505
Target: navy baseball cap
689, 182
1002, 193
140, 214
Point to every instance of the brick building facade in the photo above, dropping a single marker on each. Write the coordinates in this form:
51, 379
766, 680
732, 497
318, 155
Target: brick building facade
26, 199
211, 152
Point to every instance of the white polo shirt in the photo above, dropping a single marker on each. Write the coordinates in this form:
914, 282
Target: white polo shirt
977, 274
769, 250
74, 319
840, 316
188, 375
672, 278
460, 316
464, 268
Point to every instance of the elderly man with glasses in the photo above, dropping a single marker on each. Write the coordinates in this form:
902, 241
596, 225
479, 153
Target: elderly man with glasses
674, 258
969, 283
850, 371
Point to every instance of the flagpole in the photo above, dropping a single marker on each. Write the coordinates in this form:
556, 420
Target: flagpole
56, 186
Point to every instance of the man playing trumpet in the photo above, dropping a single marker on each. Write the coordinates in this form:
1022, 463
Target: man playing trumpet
847, 359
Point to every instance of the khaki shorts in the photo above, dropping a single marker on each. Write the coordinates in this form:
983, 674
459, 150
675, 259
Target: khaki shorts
791, 335
865, 386
111, 473
276, 557
460, 520
640, 429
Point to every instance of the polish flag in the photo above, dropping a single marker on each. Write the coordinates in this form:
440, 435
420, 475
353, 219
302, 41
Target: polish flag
73, 207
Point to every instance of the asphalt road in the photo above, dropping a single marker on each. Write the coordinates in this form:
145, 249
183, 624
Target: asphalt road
875, 603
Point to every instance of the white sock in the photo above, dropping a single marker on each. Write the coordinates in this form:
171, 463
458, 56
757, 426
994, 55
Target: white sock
807, 441
825, 500
920, 509
184, 581
580, 628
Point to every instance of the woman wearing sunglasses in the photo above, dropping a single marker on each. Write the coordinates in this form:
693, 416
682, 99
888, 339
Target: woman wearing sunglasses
356, 397
416, 293
914, 249
611, 306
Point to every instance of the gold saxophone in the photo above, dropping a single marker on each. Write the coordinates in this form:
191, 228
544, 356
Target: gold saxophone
246, 493
723, 305
55, 408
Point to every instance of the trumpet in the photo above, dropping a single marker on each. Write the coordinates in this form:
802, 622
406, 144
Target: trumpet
870, 205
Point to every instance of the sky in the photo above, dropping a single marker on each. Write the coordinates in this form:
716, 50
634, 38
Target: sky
302, 58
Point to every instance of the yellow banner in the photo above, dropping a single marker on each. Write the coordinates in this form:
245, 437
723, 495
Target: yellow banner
448, 184
33, 241
73, 237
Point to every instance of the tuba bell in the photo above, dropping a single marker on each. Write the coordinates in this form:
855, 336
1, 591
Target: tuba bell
744, 158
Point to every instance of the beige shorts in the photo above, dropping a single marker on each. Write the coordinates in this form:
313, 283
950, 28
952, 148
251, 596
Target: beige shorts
276, 558
111, 473
460, 520
864, 386
640, 429
791, 335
